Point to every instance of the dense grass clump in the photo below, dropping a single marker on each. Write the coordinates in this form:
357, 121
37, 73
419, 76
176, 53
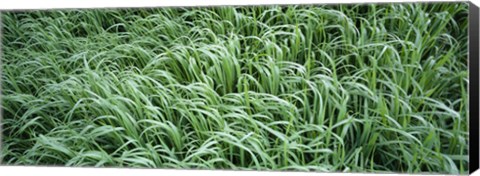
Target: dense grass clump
352, 88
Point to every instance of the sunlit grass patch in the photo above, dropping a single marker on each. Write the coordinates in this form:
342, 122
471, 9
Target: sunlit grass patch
362, 88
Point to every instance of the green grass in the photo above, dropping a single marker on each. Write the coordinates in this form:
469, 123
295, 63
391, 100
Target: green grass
352, 88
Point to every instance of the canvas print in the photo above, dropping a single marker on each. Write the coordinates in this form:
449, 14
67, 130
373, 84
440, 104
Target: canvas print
323, 88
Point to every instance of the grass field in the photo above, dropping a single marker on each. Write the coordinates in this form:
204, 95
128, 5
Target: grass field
330, 88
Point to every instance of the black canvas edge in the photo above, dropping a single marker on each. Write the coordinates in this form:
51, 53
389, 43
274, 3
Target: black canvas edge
473, 59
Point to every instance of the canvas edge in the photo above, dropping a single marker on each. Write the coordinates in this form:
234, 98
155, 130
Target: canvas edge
473, 57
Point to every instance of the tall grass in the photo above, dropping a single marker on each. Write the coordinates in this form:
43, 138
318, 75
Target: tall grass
353, 88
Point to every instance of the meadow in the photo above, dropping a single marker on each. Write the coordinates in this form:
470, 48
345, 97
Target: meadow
326, 88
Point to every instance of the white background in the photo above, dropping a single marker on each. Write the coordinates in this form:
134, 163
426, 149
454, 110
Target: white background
49, 4
55, 4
